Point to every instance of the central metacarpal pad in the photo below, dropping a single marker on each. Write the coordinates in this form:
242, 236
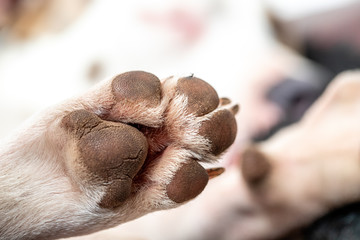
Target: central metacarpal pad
111, 152
108, 149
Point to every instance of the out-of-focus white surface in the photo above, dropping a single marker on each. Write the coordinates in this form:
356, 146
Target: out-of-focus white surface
223, 42
118, 35
226, 47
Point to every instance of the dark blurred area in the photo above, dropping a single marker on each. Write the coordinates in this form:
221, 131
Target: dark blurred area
343, 223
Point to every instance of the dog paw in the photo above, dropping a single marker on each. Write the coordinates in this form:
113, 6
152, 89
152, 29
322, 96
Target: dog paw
131, 145
137, 142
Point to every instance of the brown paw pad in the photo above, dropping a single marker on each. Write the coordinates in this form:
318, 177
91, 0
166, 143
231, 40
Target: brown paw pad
220, 130
188, 182
254, 166
202, 97
137, 86
110, 152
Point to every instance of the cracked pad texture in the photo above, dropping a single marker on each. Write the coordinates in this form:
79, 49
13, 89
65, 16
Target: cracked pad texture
111, 152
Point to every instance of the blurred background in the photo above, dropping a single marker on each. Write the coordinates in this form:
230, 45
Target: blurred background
274, 57
53, 49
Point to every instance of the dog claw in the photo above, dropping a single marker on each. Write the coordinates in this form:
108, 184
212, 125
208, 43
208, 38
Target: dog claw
214, 172
224, 101
235, 109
